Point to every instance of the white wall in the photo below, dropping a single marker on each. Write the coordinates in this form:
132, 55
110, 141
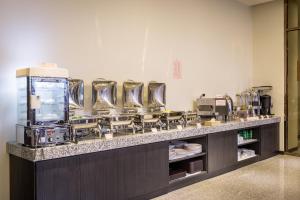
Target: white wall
268, 53
126, 39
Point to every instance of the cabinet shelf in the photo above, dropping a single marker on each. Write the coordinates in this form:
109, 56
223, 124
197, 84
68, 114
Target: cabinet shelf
247, 158
188, 176
249, 141
187, 157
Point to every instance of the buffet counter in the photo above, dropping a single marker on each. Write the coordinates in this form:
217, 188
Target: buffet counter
97, 145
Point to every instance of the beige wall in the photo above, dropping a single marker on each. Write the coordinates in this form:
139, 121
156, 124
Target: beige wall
268, 53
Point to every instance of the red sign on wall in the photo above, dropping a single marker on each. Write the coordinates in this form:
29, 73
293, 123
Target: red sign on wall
177, 70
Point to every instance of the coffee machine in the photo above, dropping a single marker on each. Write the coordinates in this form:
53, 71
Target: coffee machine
220, 108
265, 100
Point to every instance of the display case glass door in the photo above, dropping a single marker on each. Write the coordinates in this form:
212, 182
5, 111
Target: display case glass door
49, 99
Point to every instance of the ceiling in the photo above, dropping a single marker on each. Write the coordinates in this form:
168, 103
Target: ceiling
253, 2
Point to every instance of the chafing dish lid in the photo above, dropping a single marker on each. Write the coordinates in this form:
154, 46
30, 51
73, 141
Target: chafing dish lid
76, 94
156, 94
133, 94
104, 94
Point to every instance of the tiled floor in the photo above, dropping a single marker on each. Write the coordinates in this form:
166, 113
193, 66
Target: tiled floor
277, 178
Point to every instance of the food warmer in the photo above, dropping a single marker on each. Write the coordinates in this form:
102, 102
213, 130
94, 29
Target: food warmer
42, 105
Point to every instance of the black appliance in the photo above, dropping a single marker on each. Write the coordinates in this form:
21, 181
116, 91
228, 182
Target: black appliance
266, 104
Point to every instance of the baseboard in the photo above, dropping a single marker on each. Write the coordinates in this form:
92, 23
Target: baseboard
152, 195
293, 149
281, 152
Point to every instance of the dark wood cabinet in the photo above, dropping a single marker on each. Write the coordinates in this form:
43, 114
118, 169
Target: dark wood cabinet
58, 179
137, 172
222, 150
99, 175
143, 170
22, 186
230, 148
269, 139
127, 173
124, 173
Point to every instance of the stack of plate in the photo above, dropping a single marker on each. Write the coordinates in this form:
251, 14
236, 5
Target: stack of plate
193, 147
182, 150
245, 153
178, 144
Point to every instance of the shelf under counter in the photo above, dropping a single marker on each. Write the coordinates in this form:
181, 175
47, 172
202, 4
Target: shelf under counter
188, 157
187, 177
249, 141
248, 158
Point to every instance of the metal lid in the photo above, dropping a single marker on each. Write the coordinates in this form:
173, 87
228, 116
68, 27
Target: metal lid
133, 94
76, 94
104, 94
156, 94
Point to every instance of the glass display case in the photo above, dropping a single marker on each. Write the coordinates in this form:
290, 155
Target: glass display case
42, 106
42, 100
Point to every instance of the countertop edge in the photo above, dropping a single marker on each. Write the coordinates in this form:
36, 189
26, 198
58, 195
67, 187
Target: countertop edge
97, 145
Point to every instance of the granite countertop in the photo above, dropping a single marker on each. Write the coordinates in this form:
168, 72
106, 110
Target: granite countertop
96, 145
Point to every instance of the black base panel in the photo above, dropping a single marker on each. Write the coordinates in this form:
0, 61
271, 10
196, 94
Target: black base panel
152, 195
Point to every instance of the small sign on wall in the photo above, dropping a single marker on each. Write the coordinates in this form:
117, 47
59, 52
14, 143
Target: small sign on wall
177, 70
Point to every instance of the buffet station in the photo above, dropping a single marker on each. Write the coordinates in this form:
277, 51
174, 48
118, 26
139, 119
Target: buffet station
132, 147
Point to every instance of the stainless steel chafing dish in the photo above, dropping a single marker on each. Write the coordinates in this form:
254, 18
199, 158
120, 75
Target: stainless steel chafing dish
76, 95
190, 118
121, 123
156, 95
145, 122
104, 95
133, 95
84, 127
172, 119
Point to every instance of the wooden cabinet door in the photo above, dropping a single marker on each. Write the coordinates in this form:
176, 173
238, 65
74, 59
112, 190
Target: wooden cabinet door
22, 178
124, 173
230, 148
58, 179
99, 176
143, 169
222, 150
269, 139
215, 151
